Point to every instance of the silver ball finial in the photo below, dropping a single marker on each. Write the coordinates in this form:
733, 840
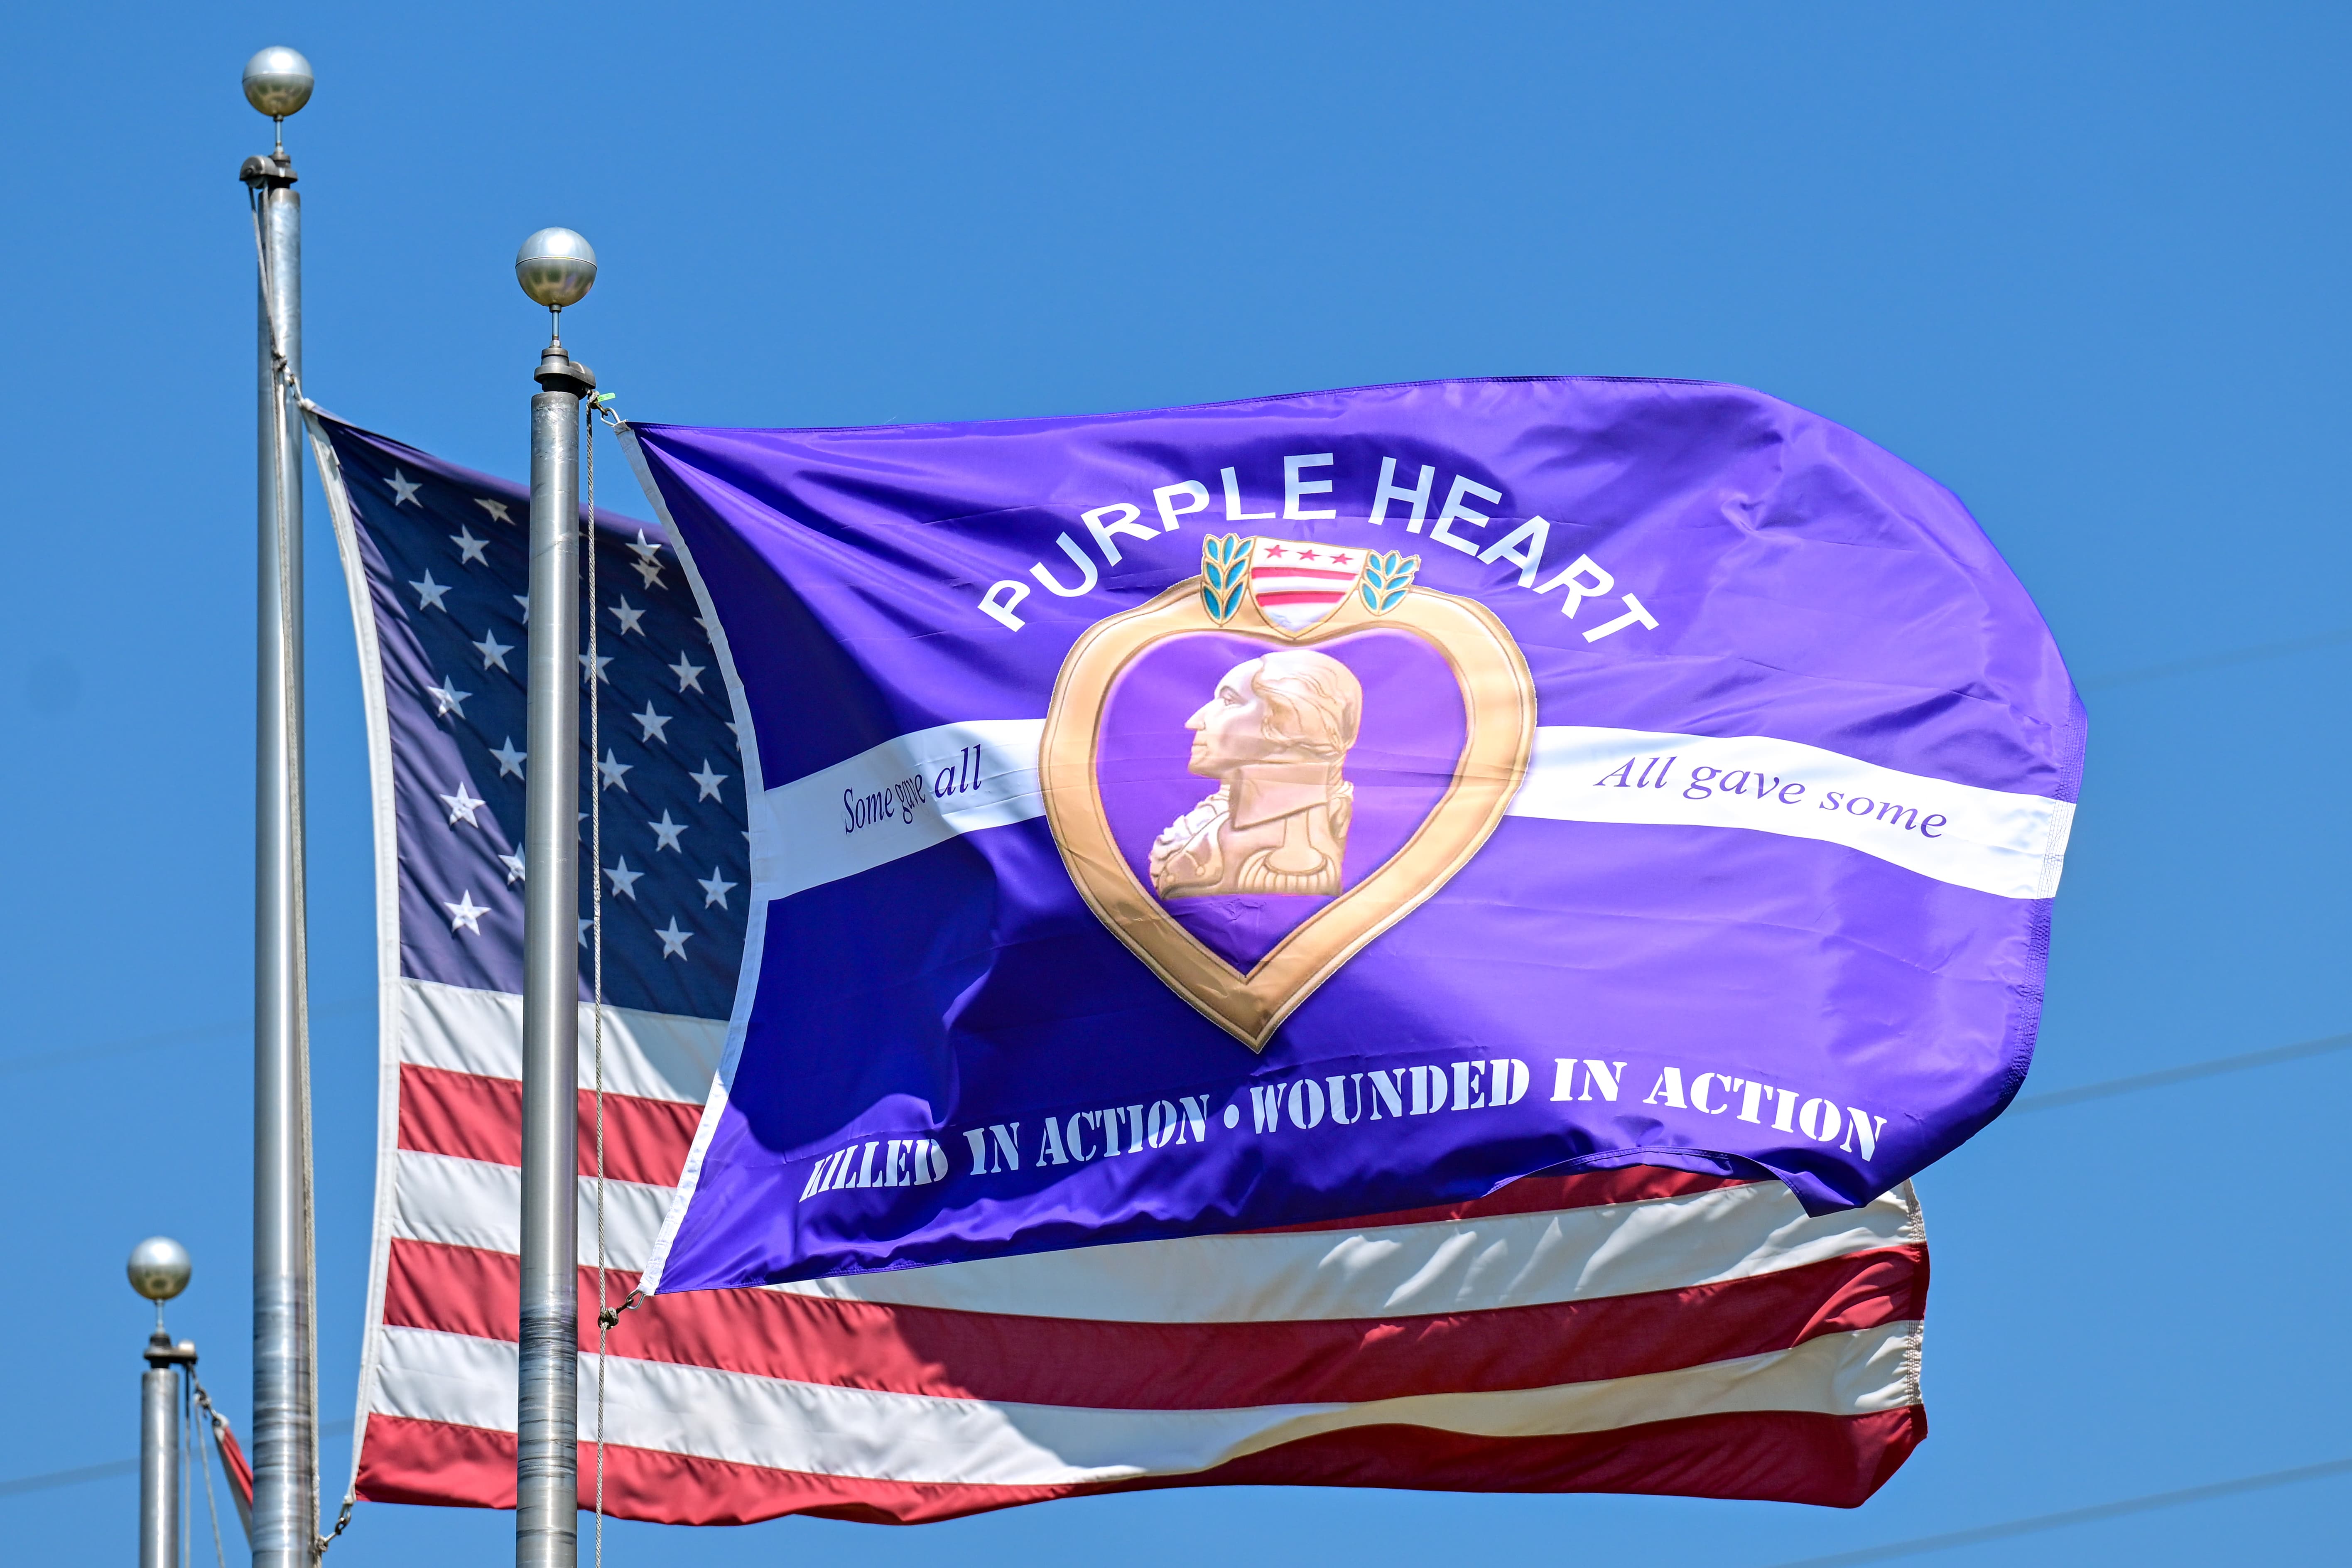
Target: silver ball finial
159, 1269
277, 82
556, 267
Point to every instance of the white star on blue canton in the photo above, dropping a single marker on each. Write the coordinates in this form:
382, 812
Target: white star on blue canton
404, 489
644, 550
497, 509
523, 600
708, 781
428, 593
653, 724
602, 660
513, 863
715, 888
624, 882
649, 572
665, 833
626, 613
510, 760
467, 913
673, 940
610, 769
494, 652
448, 699
689, 674
469, 547
462, 804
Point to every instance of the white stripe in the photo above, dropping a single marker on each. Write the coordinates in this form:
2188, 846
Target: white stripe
1995, 841
387, 900
803, 834
1408, 1271
827, 1430
659, 1056
471, 1202
1265, 581
1447, 1266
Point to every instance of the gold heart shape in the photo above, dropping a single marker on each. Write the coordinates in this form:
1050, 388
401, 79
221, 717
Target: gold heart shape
1499, 711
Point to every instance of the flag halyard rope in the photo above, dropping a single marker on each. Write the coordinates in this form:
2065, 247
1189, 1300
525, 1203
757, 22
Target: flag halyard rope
194, 1449
184, 1458
596, 931
286, 381
607, 1316
200, 1401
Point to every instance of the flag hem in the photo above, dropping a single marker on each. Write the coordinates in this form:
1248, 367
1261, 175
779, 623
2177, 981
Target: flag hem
385, 831
755, 930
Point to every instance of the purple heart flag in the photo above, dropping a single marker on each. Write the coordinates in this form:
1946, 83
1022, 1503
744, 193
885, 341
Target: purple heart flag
1265, 814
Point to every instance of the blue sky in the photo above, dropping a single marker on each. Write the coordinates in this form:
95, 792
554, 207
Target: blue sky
2084, 264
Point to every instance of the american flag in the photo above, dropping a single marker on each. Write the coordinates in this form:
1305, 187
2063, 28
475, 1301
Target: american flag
438, 565
1640, 1331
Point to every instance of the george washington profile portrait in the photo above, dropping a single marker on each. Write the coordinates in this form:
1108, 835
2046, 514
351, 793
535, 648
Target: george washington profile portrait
1274, 735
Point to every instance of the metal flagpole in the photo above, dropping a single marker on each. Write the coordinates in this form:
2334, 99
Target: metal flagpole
556, 267
277, 82
159, 1459
159, 1270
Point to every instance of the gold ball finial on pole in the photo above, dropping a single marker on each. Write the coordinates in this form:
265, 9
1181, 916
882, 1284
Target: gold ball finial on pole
277, 82
556, 267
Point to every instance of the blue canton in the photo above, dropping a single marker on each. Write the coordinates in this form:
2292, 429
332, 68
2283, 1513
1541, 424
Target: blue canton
447, 556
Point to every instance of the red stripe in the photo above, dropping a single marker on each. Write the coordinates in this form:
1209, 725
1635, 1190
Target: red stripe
1767, 1456
233, 1460
1009, 1359
477, 1118
1302, 597
1273, 569
1539, 1194
1770, 1456
439, 1464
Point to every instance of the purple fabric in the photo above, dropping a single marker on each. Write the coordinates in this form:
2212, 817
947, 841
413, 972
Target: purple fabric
1806, 588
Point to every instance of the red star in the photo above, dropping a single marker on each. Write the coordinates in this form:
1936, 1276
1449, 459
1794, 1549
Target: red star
1306, 555
1339, 561
1272, 551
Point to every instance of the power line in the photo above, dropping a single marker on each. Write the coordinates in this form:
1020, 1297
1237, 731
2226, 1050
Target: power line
75, 1477
39, 1060
2219, 660
2101, 683
113, 1047
1918, 1545
2056, 1098
69, 1477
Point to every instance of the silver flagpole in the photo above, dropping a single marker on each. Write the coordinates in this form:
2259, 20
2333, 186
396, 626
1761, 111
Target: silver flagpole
285, 1440
159, 1462
556, 267
159, 1270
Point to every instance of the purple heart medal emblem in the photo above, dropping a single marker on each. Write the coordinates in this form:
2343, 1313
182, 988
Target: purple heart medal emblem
1267, 765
